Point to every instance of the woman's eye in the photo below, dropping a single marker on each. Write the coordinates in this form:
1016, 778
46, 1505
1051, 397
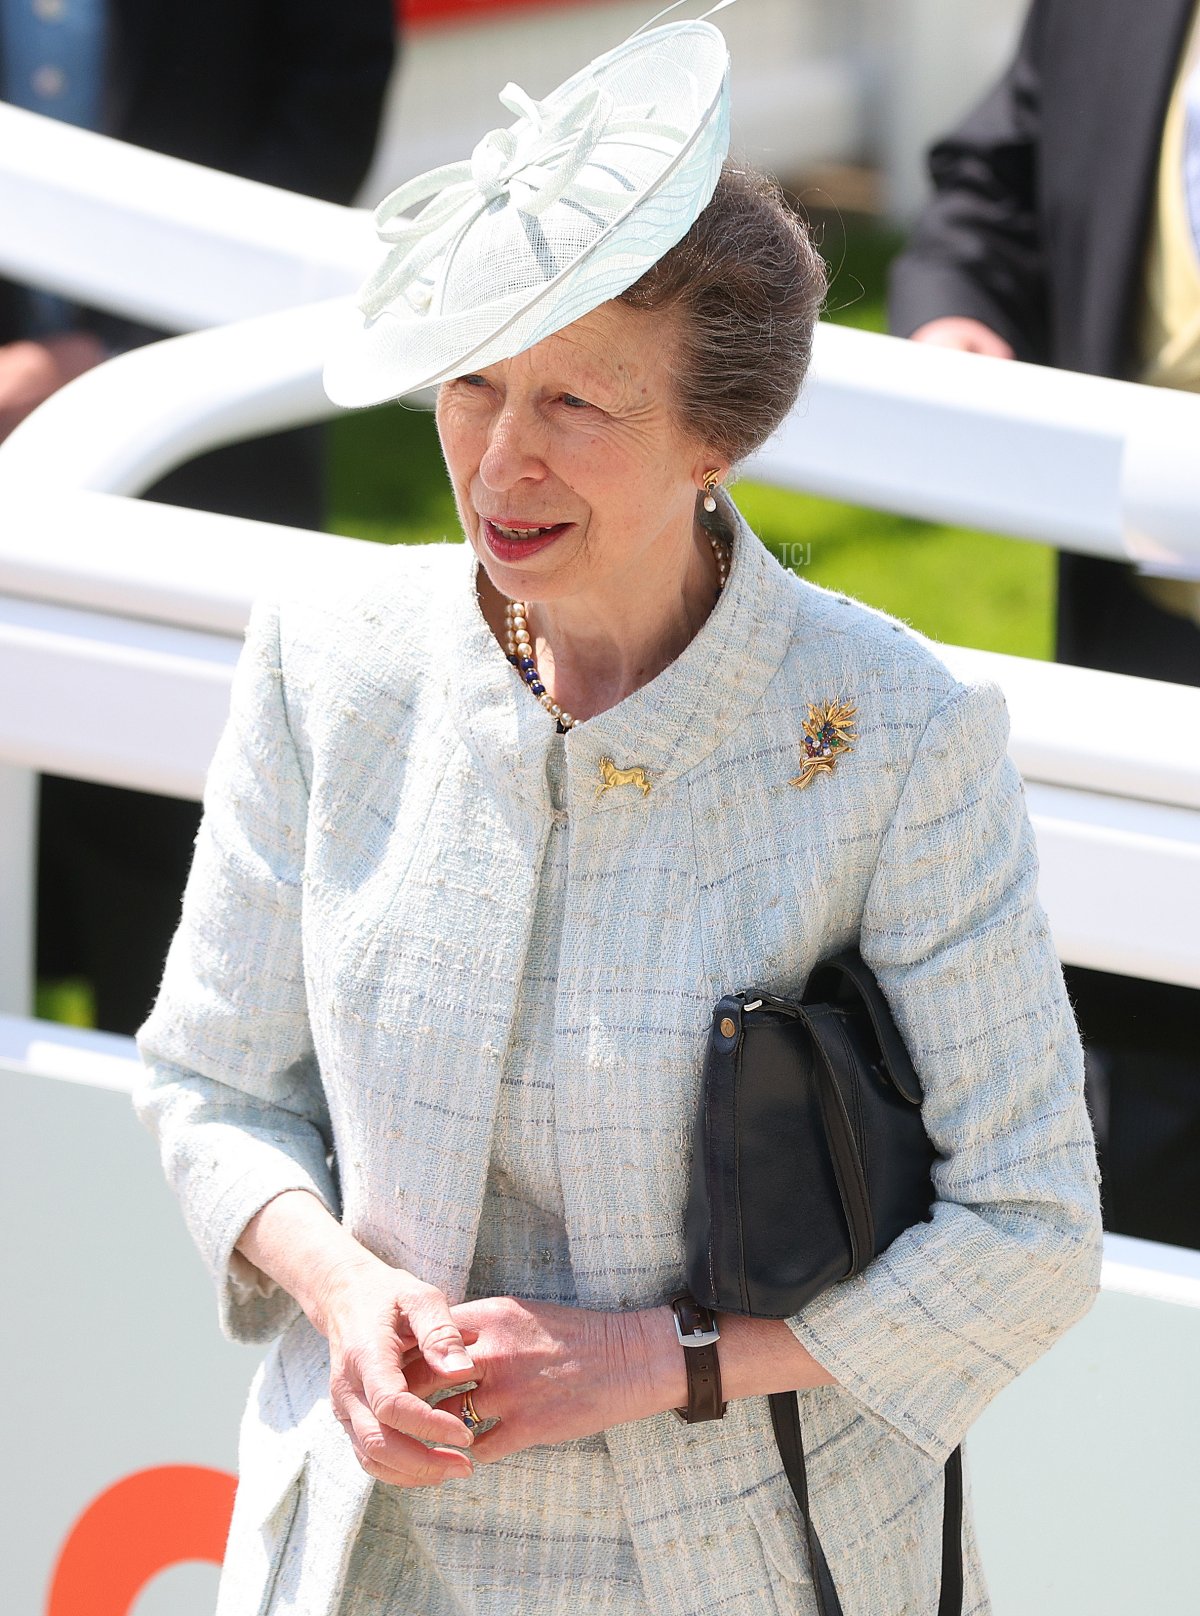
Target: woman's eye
573, 403
473, 381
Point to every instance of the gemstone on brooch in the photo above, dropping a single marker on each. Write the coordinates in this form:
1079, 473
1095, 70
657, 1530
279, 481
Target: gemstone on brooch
828, 732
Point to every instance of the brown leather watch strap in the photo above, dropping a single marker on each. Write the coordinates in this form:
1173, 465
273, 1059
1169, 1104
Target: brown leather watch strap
703, 1366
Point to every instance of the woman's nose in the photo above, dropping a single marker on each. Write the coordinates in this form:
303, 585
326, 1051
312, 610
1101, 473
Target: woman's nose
511, 455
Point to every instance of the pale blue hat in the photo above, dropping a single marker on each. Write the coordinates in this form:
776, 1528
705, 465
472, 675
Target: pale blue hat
551, 217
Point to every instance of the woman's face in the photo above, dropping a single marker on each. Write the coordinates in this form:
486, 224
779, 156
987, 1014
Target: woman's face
571, 473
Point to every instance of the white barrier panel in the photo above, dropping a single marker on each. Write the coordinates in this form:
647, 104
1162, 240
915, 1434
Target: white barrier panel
18, 839
1086, 1471
103, 698
141, 704
109, 554
124, 1400
163, 563
1120, 881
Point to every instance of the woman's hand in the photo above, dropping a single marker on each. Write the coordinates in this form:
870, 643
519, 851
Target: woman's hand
547, 1373
552, 1374
376, 1319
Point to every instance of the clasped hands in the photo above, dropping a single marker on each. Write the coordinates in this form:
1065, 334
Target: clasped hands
545, 1373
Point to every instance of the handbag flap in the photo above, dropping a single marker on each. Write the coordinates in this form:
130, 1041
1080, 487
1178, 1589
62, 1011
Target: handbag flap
846, 976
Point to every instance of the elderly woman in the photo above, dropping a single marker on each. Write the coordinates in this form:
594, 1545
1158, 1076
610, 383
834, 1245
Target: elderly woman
488, 833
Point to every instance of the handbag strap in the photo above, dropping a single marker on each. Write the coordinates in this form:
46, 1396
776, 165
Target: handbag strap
848, 974
834, 1056
785, 1418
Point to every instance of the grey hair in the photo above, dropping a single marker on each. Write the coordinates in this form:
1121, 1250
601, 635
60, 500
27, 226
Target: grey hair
745, 285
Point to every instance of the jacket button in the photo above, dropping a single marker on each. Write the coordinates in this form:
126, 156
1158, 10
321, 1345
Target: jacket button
728, 1027
49, 81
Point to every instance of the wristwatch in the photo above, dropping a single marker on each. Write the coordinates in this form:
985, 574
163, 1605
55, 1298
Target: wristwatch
698, 1336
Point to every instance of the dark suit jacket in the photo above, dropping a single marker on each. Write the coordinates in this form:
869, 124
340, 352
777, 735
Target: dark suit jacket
1038, 228
284, 91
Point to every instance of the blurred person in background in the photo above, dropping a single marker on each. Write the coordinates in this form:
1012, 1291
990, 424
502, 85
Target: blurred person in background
287, 94
1065, 230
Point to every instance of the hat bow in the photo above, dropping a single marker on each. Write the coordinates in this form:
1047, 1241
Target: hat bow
530, 165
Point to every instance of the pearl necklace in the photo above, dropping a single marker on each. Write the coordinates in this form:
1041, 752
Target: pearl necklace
518, 642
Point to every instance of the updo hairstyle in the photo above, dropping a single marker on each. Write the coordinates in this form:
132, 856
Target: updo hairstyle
746, 286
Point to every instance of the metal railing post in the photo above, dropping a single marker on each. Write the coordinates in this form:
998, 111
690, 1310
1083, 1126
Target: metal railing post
18, 877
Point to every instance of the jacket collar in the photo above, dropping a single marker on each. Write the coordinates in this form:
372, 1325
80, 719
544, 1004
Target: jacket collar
666, 728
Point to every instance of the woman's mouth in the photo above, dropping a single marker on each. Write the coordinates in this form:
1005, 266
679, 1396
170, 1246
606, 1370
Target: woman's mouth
515, 542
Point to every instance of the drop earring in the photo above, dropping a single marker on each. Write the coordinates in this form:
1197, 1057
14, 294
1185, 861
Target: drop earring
712, 480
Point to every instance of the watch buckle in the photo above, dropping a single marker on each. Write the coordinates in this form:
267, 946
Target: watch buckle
696, 1337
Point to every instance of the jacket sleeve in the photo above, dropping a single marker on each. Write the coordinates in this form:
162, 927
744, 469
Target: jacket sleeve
943, 1319
231, 1086
977, 250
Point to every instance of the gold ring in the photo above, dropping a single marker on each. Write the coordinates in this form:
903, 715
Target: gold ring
471, 1417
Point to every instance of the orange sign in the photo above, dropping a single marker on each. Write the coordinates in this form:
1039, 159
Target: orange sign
135, 1529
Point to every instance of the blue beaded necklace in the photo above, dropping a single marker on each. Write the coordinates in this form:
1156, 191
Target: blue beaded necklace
518, 644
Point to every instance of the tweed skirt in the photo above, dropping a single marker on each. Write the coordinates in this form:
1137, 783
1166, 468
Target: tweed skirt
498, 1543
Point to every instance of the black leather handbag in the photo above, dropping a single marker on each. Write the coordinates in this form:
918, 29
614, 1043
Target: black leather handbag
810, 1157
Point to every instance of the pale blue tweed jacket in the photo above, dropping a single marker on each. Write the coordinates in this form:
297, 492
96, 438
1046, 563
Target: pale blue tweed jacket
344, 981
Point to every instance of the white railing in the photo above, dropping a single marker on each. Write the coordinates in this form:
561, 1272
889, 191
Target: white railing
1078, 461
140, 704
159, 240
1086, 463
118, 620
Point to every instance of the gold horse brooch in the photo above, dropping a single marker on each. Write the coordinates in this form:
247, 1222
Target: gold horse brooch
611, 776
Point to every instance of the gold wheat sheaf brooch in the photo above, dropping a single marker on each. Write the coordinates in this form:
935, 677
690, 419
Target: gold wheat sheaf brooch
828, 733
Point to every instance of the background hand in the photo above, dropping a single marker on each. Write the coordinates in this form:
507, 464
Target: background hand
965, 336
31, 371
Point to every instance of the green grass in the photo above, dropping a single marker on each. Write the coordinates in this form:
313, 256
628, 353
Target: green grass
967, 588
70, 1001
388, 480
961, 587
